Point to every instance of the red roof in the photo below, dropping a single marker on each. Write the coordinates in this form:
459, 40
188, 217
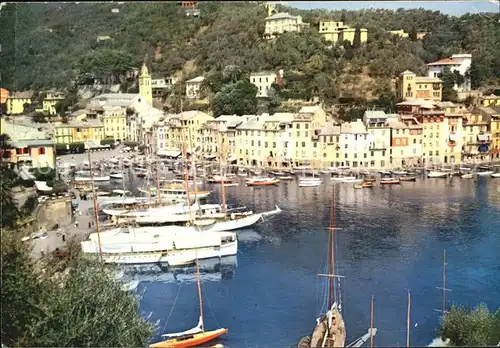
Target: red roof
444, 61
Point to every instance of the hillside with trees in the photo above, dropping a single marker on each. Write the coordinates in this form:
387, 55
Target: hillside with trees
55, 45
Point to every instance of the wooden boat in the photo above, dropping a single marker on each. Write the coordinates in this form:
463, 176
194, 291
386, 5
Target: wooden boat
309, 181
193, 337
389, 181
370, 179
408, 178
330, 328
218, 179
367, 185
252, 182
358, 186
467, 176
437, 174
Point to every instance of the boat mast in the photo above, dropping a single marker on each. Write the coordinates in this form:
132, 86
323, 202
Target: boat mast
158, 191
184, 163
223, 175
408, 322
96, 212
331, 256
199, 291
193, 164
371, 323
331, 249
443, 288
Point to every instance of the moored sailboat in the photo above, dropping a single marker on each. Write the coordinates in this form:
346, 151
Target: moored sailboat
330, 328
195, 336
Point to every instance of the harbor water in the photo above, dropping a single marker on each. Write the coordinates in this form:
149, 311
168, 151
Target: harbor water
391, 241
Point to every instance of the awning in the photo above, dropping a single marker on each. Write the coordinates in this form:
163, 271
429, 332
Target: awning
453, 137
168, 153
482, 137
483, 148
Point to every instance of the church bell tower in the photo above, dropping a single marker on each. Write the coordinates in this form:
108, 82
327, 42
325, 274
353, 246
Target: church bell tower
145, 88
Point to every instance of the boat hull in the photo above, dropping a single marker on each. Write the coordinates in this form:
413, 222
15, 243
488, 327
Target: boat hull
190, 340
170, 257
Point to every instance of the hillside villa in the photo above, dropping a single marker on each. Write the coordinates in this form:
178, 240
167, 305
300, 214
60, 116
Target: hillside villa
30, 146
193, 87
457, 62
280, 23
339, 32
410, 86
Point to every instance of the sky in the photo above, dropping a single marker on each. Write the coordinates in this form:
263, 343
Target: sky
456, 8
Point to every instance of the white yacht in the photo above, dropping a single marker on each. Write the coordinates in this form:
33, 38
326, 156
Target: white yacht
159, 245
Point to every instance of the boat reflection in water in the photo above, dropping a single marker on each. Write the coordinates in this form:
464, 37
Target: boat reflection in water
213, 270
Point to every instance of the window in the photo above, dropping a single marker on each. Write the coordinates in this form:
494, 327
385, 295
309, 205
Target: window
307, 125
345, 146
372, 153
315, 144
265, 144
303, 144
355, 155
414, 141
274, 144
364, 155
345, 156
298, 133
414, 150
337, 155
430, 153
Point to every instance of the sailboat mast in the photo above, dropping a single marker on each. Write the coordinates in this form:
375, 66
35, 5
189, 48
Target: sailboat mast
199, 291
193, 164
331, 250
444, 281
184, 163
408, 322
158, 192
223, 175
371, 322
96, 212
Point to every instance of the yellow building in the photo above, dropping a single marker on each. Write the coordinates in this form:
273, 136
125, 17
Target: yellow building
114, 119
263, 82
280, 23
339, 32
495, 131
476, 135
410, 86
145, 87
29, 146
50, 101
79, 131
218, 138
328, 139
490, 100
17, 101
184, 128
401, 33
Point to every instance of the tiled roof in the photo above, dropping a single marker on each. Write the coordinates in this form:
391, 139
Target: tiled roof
446, 61
329, 129
18, 132
196, 80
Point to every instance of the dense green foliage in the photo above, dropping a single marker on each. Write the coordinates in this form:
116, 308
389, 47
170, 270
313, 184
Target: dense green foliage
83, 306
55, 44
476, 328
